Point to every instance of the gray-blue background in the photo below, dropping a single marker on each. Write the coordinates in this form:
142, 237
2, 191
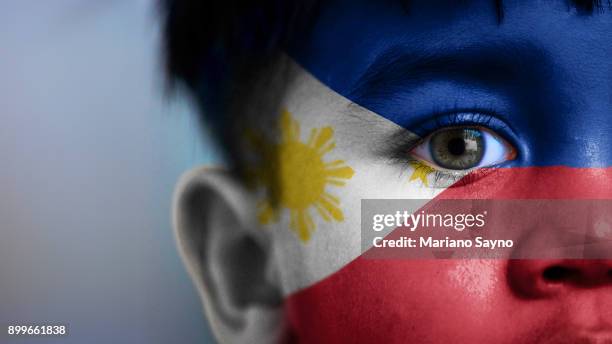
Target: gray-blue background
89, 153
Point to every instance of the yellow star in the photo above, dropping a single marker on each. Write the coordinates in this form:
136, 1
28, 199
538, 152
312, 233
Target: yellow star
421, 172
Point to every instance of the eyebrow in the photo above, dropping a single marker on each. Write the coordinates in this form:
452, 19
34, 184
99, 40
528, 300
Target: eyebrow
492, 63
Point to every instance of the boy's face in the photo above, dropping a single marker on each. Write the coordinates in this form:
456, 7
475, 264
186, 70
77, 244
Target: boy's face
374, 88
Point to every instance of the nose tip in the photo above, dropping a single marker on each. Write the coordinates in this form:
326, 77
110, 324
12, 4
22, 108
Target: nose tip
547, 278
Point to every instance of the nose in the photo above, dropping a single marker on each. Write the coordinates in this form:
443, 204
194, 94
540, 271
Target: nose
548, 278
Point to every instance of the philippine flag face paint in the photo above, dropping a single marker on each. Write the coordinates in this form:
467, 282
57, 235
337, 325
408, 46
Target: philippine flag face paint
428, 105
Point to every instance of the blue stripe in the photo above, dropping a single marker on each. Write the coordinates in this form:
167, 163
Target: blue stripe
552, 91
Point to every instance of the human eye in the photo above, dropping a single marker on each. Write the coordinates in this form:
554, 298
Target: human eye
463, 148
458, 144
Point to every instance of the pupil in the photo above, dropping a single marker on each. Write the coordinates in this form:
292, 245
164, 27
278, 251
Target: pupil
456, 146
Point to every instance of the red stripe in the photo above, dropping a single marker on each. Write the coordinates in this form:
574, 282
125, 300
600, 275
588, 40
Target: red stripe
399, 301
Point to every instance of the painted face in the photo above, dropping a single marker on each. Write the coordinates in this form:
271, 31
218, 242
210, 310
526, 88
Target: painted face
389, 102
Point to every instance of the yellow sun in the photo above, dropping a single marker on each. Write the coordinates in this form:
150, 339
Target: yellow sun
296, 176
421, 172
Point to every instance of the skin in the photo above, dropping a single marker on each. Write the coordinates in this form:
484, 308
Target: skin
544, 72
558, 74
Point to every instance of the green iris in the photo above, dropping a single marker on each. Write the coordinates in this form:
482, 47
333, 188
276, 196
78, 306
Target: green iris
457, 148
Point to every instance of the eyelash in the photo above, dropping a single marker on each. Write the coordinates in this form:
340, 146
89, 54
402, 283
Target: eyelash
461, 118
400, 144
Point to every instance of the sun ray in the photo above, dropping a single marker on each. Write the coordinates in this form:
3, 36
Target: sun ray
335, 182
324, 214
303, 224
311, 138
333, 209
310, 224
334, 163
327, 148
331, 198
324, 135
344, 172
421, 172
290, 128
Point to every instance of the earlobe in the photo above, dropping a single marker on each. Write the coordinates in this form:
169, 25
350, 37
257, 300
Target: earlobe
227, 256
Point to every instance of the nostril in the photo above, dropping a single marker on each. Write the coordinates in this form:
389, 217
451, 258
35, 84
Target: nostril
557, 274
536, 279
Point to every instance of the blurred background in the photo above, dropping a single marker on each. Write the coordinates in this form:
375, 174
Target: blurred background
90, 150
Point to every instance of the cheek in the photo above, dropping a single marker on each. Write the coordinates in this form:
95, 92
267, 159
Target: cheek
395, 301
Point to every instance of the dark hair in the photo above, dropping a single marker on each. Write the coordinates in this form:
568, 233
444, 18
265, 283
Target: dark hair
227, 32
215, 46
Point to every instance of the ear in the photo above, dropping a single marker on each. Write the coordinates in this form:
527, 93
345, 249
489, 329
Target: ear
228, 256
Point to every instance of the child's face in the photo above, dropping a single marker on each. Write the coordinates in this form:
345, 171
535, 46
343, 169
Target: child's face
532, 92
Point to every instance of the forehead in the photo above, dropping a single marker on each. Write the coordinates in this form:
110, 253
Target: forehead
349, 36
